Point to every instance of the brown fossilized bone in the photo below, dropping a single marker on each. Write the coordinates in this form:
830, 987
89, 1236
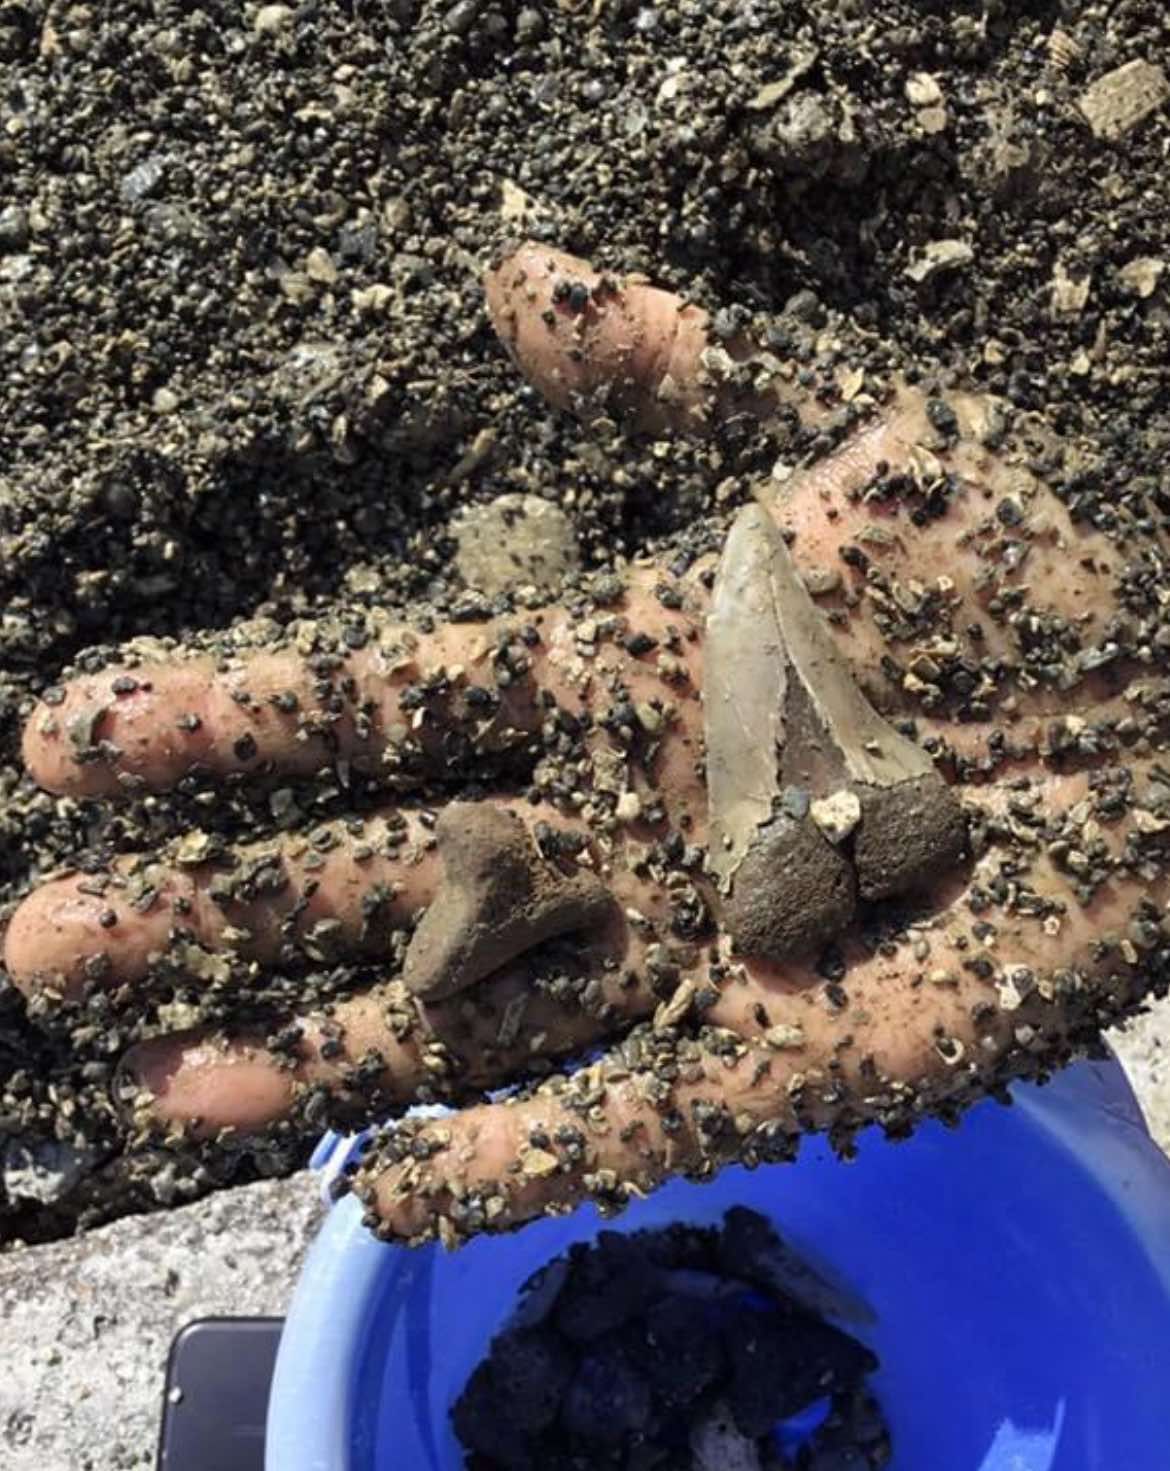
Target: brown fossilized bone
814, 798
499, 898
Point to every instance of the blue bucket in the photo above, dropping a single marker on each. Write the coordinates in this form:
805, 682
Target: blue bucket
1020, 1273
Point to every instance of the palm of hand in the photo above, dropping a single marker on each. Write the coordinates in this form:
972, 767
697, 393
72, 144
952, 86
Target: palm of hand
969, 608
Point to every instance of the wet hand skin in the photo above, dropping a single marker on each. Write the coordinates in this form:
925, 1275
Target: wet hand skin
960, 595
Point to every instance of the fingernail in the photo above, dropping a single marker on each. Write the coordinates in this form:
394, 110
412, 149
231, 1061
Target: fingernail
127, 1091
139, 1079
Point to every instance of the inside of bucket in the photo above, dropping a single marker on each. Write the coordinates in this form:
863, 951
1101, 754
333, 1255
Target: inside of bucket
1014, 1303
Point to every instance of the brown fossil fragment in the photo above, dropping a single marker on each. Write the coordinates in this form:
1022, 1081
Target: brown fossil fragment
791, 739
791, 891
908, 835
499, 898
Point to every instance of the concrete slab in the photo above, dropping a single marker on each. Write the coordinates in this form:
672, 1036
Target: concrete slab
1144, 1049
85, 1325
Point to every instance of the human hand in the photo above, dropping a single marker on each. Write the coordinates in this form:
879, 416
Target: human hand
961, 594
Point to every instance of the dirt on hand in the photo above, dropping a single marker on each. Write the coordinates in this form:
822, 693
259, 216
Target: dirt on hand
248, 374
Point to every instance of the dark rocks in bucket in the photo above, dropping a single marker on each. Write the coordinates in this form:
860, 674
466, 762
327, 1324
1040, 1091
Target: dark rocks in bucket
674, 1350
608, 1399
780, 1365
679, 1351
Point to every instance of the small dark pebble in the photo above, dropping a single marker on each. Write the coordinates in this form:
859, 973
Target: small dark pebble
780, 1366
482, 1420
680, 1350
602, 1303
531, 1372
608, 1399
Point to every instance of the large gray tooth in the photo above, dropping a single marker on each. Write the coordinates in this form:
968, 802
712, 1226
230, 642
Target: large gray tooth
848, 730
912, 826
786, 889
784, 717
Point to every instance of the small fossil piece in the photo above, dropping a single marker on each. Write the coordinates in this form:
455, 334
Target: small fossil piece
821, 581
499, 897
783, 714
1070, 294
539, 1162
938, 257
1124, 97
837, 815
922, 90
195, 848
1063, 49
1141, 276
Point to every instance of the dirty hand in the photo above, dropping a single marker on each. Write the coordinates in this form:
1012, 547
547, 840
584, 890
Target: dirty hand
822, 869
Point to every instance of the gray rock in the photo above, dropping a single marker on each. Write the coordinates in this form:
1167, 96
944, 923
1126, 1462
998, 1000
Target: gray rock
1143, 1051
515, 541
88, 1323
143, 179
717, 1445
270, 20
812, 136
1121, 99
44, 1170
938, 257
13, 228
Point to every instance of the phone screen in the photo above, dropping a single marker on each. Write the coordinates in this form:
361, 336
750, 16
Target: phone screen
216, 1399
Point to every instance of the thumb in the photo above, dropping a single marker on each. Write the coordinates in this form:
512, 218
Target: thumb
583, 338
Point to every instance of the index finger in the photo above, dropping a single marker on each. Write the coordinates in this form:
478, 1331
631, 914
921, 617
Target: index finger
146, 726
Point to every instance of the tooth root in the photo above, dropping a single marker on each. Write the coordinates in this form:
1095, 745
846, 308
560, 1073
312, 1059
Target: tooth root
498, 899
793, 892
909, 835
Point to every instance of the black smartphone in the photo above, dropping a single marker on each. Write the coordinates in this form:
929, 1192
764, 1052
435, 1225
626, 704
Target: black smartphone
215, 1403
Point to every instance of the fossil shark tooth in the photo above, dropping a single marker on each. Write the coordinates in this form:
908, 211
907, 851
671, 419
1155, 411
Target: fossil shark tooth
499, 898
787, 726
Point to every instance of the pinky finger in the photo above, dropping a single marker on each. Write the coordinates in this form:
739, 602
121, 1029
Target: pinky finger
378, 1052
